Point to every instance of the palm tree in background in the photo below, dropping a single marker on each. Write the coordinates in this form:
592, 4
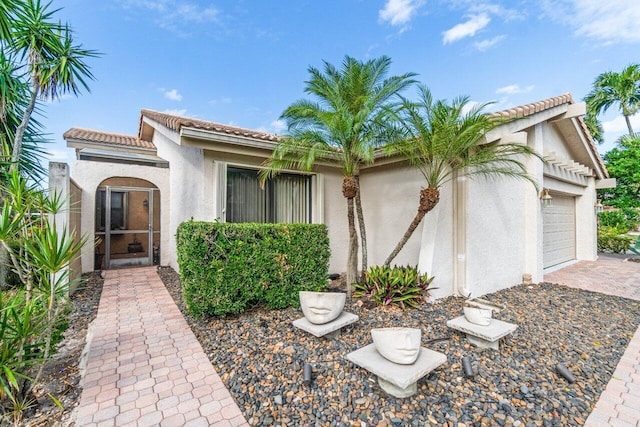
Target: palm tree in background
611, 88
345, 121
54, 64
445, 141
595, 126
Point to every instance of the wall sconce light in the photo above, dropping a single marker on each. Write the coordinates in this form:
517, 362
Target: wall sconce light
145, 203
545, 197
598, 207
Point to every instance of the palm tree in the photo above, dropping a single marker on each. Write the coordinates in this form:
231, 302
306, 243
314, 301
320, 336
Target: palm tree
7, 8
595, 127
616, 88
345, 121
443, 142
55, 65
14, 97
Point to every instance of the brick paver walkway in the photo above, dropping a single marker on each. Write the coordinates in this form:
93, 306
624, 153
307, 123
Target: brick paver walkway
145, 366
619, 403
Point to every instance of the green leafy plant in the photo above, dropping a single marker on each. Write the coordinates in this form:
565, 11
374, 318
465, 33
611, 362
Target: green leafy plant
228, 268
31, 314
611, 239
402, 286
623, 219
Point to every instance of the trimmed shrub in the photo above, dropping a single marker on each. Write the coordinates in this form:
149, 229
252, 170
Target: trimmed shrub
227, 268
401, 286
613, 240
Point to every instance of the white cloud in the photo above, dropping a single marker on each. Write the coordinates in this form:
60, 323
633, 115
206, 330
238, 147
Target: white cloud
172, 94
221, 101
488, 43
467, 29
618, 125
497, 10
614, 129
470, 106
278, 126
177, 112
399, 12
611, 21
174, 14
514, 89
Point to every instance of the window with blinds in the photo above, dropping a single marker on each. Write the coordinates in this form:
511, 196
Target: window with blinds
285, 198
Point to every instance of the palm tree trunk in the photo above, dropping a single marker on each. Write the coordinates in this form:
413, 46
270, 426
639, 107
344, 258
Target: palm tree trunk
429, 198
405, 238
626, 118
17, 139
352, 260
363, 232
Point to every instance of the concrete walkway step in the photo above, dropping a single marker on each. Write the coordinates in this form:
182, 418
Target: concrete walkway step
144, 366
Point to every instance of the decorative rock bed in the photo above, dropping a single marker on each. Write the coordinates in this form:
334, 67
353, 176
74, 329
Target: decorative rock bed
260, 357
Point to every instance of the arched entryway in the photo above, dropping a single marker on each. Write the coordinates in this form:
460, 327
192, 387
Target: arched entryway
127, 223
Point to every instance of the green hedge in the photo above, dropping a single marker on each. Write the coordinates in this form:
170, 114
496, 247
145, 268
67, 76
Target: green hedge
625, 219
227, 268
611, 239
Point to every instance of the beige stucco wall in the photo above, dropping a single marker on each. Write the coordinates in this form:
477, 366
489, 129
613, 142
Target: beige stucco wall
186, 182
88, 175
390, 197
504, 225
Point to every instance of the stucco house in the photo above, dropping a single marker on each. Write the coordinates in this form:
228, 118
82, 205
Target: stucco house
483, 236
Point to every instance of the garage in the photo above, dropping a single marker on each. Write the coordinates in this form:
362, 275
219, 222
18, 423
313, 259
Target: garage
559, 231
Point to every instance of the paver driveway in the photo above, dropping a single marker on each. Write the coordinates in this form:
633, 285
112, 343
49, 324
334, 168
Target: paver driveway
619, 404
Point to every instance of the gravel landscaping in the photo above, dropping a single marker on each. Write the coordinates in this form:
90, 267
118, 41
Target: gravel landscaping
260, 356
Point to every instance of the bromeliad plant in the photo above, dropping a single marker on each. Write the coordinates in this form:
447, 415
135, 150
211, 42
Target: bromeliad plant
30, 315
402, 286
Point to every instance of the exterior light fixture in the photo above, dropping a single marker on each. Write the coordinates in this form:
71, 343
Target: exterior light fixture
598, 207
545, 197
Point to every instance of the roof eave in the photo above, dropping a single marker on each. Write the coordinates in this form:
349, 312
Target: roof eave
192, 133
83, 143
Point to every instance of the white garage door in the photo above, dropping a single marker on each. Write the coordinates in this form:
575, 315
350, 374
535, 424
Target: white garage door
559, 231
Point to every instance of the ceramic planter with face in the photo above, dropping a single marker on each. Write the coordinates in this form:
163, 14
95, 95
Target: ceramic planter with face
398, 345
479, 316
321, 307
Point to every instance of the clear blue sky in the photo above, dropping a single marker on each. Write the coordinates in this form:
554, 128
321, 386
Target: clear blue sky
244, 62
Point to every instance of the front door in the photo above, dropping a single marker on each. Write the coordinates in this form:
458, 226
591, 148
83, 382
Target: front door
125, 222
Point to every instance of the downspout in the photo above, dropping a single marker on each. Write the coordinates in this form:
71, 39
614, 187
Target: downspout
460, 190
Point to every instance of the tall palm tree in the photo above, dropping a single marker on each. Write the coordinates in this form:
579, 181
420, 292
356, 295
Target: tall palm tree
14, 97
616, 88
444, 141
55, 65
345, 121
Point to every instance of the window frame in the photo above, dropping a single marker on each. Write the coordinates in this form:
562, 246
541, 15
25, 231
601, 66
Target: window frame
316, 197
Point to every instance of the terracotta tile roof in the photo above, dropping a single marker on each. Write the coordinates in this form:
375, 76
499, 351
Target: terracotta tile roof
535, 107
108, 138
177, 122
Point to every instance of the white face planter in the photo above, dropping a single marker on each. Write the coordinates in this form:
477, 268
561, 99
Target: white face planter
479, 316
398, 345
321, 307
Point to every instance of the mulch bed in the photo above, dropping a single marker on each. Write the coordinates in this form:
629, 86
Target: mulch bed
260, 356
